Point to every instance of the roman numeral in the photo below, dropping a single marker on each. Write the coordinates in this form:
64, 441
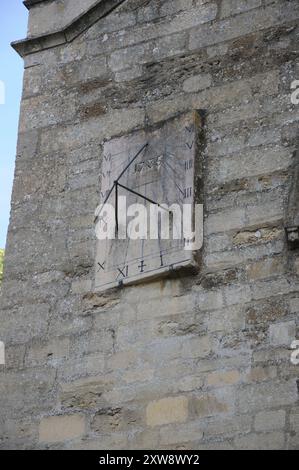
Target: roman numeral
142, 266
124, 272
190, 145
188, 165
102, 266
104, 193
107, 158
187, 192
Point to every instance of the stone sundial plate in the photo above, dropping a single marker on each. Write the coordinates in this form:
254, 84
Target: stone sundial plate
167, 171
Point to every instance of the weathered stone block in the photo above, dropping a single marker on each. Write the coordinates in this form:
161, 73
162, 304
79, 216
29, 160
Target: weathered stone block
266, 268
257, 236
31, 391
227, 320
209, 300
25, 323
130, 74
261, 441
218, 379
170, 7
191, 432
197, 83
235, 7
294, 305
41, 352
227, 427
226, 220
269, 420
282, 333
210, 405
61, 428
294, 420
85, 393
142, 375
266, 395
82, 286
197, 347
259, 374
241, 25
167, 410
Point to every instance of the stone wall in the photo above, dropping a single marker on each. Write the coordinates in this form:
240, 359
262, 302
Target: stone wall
199, 362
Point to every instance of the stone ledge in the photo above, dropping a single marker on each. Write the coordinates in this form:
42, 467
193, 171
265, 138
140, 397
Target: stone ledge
31, 3
80, 24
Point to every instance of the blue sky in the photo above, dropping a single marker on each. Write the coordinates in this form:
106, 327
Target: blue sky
13, 25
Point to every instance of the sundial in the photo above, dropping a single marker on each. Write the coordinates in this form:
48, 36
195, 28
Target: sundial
151, 180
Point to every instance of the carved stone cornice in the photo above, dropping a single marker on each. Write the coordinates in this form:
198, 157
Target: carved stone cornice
31, 3
68, 33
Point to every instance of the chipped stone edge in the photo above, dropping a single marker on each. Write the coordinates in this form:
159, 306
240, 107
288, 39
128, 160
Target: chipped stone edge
80, 24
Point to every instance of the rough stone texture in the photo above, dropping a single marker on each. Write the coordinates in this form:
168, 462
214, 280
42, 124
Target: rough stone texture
282, 333
61, 428
167, 410
269, 420
201, 361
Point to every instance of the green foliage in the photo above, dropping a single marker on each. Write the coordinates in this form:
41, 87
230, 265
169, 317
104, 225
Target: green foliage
1, 263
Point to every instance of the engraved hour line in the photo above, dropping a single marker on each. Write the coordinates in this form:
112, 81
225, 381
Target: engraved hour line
170, 167
116, 207
174, 171
178, 162
127, 160
117, 167
121, 174
142, 241
168, 154
143, 197
177, 186
119, 153
132, 161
